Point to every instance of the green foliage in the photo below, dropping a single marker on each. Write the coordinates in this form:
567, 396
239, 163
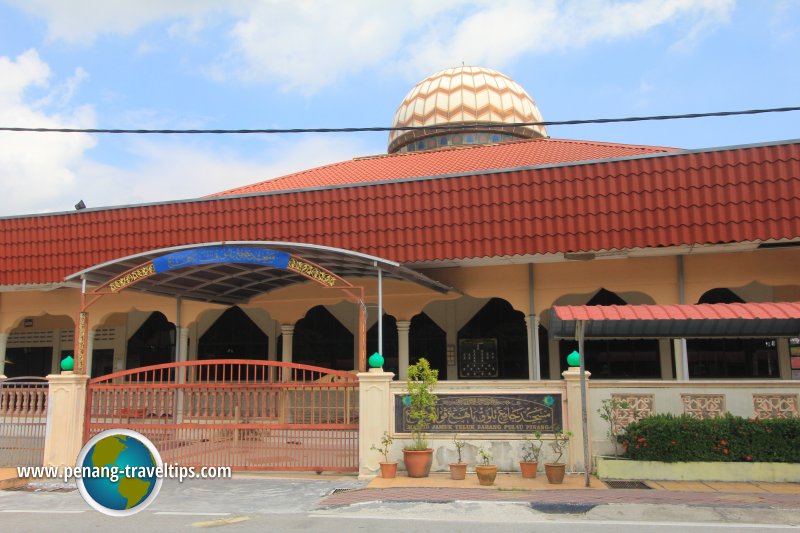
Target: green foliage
729, 438
560, 443
532, 448
422, 402
486, 456
386, 445
459, 444
611, 411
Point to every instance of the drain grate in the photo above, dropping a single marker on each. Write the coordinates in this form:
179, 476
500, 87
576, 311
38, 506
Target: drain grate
339, 491
627, 485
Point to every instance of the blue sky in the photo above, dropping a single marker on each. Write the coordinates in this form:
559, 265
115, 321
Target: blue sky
259, 64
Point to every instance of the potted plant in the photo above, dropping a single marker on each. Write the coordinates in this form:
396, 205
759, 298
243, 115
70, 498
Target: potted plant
612, 411
388, 468
530, 456
555, 470
458, 470
421, 404
486, 472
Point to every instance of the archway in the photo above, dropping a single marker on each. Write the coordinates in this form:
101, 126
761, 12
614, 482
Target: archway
731, 357
428, 340
390, 348
152, 344
499, 327
233, 335
615, 358
321, 340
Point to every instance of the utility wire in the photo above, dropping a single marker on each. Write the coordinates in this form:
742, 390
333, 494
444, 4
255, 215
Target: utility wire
438, 128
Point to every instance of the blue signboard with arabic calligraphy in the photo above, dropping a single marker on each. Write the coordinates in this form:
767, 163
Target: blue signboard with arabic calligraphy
221, 254
489, 413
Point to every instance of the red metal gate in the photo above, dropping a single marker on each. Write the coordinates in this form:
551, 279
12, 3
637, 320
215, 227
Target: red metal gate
23, 421
249, 415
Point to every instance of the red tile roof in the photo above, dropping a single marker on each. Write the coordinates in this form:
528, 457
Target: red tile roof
448, 161
713, 196
745, 311
677, 321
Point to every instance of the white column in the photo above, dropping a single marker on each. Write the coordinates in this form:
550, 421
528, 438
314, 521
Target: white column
665, 359
403, 330
273, 342
451, 334
555, 362
3, 345
55, 360
532, 326
784, 359
287, 330
681, 359
183, 344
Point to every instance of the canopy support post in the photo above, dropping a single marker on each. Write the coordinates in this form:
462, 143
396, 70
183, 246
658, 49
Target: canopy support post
579, 330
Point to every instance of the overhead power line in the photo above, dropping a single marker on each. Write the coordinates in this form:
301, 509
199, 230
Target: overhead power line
443, 127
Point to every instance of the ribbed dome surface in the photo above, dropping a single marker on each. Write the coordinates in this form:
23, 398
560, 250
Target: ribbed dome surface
464, 95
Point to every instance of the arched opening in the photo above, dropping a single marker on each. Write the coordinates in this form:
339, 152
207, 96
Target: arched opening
152, 344
233, 335
731, 358
36, 346
321, 340
615, 358
544, 353
428, 340
389, 352
497, 328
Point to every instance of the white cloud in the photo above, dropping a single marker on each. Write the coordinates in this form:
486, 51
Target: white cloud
82, 21
36, 168
307, 45
169, 170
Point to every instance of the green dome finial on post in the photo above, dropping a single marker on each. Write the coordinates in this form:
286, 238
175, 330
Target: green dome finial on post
376, 360
68, 364
574, 359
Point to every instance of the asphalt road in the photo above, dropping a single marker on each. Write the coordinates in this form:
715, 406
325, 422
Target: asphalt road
290, 505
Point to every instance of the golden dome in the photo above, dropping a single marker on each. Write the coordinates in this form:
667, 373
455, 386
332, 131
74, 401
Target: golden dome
464, 96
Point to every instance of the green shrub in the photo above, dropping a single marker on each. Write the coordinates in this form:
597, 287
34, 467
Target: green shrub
729, 438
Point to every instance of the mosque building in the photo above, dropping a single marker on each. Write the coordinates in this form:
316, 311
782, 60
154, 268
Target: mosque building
465, 238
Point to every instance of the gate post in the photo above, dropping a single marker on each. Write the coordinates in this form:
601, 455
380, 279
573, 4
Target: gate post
374, 408
573, 378
66, 407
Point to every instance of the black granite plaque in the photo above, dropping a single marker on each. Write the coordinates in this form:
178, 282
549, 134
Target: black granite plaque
489, 413
477, 359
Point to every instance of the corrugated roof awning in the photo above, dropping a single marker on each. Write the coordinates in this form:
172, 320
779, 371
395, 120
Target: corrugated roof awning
780, 319
236, 282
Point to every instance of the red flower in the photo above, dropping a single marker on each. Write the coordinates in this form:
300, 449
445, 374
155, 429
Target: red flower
723, 442
641, 439
749, 457
725, 451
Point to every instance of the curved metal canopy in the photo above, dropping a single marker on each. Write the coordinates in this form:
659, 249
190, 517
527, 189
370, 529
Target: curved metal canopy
232, 283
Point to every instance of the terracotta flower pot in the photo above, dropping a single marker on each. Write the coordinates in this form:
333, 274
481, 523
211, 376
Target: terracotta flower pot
418, 463
528, 469
486, 474
458, 470
388, 470
555, 472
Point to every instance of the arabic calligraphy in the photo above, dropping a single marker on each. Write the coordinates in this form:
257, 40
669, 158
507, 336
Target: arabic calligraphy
132, 277
514, 413
221, 254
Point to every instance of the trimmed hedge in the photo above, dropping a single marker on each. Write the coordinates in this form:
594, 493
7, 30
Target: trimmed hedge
729, 438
